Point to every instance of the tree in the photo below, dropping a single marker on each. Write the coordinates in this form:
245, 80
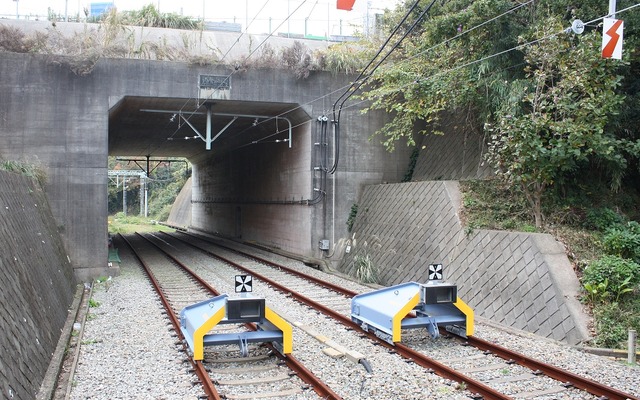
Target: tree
553, 108
567, 99
430, 74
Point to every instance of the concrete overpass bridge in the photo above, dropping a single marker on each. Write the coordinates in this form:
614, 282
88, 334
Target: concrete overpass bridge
263, 179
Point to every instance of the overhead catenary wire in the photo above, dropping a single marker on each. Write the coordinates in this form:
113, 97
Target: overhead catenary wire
363, 77
327, 95
191, 113
362, 73
346, 88
518, 47
521, 46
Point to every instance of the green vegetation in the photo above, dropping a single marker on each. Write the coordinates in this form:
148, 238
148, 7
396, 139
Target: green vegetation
125, 225
365, 270
163, 186
149, 16
552, 110
601, 239
353, 213
413, 159
26, 169
93, 303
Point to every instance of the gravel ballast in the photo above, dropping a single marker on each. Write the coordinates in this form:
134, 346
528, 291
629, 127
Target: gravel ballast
128, 350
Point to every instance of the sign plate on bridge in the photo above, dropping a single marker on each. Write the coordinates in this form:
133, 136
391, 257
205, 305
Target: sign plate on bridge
217, 82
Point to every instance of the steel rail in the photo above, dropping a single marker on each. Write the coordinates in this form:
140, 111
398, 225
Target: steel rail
204, 377
318, 281
306, 375
556, 373
551, 371
440, 369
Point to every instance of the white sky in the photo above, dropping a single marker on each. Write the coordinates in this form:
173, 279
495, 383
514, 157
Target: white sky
320, 15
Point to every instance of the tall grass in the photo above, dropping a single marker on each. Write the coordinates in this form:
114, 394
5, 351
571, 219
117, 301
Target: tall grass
31, 170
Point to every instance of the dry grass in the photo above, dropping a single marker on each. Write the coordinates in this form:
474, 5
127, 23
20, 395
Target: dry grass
111, 38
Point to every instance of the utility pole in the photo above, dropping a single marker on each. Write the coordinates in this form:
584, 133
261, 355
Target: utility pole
124, 196
141, 196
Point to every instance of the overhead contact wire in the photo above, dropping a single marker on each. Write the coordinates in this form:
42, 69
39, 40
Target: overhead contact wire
362, 78
190, 114
518, 47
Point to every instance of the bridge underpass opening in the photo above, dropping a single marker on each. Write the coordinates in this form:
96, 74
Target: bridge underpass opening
258, 178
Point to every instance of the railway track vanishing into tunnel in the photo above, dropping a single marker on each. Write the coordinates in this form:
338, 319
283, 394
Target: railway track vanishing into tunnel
472, 369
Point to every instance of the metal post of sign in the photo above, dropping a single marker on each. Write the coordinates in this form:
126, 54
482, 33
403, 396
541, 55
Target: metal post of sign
146, 198
141, 197
612, 9
631, 348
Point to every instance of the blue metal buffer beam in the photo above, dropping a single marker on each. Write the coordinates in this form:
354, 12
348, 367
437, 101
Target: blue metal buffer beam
197, 320
386, 312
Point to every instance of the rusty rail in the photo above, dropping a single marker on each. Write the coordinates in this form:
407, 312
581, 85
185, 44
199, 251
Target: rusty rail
207, 385
551, 371
556, 373
306, 375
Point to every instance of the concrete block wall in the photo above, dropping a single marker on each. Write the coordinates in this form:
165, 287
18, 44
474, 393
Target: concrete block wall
36, 286
455, 154
518, 279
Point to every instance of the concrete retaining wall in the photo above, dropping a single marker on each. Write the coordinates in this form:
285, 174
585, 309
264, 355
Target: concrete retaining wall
180, 214
455, 154
36, 286
60, 121
518, 279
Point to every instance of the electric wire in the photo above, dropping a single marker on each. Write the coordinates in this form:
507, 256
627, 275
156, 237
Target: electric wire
407, 14
349, 86
190, 114
488, 57
457, 37
245, 31
349, 92
326, 95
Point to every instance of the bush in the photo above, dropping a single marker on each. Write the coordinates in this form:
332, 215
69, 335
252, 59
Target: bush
624, 241
602, 219
352, 216
613, 320
610, 277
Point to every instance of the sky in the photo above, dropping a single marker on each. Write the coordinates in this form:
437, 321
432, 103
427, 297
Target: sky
313, 17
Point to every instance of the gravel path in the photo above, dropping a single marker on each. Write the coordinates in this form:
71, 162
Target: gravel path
128, 352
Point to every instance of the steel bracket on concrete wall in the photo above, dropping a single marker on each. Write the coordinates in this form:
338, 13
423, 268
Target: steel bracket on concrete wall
207, 136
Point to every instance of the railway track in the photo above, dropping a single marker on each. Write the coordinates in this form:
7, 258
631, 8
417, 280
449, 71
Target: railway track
222, 373
486, 372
